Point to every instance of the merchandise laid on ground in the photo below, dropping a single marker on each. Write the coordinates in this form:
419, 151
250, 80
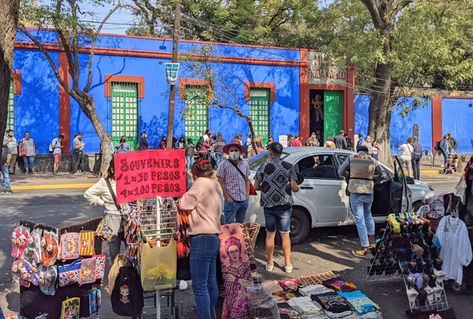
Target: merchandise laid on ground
427, 249
323, 296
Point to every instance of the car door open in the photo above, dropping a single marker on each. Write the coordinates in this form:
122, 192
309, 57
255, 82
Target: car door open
390, 190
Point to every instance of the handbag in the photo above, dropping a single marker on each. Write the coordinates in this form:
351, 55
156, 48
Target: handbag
158, 266
100, 266
183, 246
69, 247
71, 308
87, 271
252, 190
69, 274
103, 231
22, 152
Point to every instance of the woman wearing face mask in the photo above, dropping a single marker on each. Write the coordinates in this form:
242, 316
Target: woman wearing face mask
233, 175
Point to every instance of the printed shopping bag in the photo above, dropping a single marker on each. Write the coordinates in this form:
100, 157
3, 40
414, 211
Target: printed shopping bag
119, 261
92, 300
69, 274
69, 246
158, 266
71, 308
87, 271
100, 266
19, 239
32, 252
47, 279
49, 248
25, 273
86, 243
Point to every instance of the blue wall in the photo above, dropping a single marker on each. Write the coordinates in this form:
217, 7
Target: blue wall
457, 118
401, 126
36, 108
153, 109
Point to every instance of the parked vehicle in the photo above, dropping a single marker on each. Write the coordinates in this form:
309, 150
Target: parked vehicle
322, 200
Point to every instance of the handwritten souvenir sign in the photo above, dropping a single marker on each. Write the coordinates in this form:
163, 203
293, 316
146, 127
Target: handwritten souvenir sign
151, 173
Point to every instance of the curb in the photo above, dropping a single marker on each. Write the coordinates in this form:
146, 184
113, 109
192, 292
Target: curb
431, 171
52, 186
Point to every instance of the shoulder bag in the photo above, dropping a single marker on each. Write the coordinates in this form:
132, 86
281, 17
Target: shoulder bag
252, 188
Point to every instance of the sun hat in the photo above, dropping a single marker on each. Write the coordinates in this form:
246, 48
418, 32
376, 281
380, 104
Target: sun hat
234, 143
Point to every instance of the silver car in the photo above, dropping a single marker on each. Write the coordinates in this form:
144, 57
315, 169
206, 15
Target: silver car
322, 200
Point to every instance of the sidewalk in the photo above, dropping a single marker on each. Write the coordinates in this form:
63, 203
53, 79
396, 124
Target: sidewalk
21, 181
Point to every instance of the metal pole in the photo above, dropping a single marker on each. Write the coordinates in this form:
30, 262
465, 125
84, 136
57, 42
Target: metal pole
175, 42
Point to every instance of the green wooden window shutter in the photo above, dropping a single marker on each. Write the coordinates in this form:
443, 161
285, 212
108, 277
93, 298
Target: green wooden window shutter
333, 113
11, 109
125, 112
259, 112
196, 116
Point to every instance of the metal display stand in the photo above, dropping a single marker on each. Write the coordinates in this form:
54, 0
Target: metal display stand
379, 271
159, 222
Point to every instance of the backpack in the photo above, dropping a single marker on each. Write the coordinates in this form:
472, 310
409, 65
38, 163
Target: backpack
55, 141
437, 145
127, 294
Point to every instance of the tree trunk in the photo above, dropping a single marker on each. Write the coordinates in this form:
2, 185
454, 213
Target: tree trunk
9, 22
380, 111
105, 148
252, 131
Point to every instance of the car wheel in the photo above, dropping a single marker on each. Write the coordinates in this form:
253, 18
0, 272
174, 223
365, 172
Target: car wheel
300, 225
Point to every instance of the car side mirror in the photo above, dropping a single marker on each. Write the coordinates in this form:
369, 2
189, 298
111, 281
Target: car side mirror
410, 180
300, 179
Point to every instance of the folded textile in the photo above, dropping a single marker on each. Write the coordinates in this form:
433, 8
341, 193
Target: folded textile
359, 301
307, 280
304, 305
339, 285
314, 290
332, 302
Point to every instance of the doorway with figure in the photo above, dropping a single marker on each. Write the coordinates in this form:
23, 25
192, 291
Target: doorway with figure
326, 113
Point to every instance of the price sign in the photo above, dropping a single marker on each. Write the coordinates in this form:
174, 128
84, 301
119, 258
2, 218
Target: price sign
151, 173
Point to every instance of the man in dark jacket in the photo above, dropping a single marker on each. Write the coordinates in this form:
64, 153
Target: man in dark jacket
341, 141
416, 157
144, 144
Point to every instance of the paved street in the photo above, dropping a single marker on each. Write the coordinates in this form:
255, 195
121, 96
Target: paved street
326, 249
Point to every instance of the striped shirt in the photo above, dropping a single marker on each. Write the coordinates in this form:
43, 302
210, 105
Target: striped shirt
233, 180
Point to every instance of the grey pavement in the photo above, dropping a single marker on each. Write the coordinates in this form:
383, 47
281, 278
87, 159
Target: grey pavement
325, 249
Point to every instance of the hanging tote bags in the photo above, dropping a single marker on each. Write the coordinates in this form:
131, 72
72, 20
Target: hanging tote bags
158, 266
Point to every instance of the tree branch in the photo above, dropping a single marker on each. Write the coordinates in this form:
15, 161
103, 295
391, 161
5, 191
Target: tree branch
94, 42
374, 13
48, 58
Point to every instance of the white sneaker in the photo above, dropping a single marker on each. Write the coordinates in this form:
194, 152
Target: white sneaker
183, 285
269, 267
288, 268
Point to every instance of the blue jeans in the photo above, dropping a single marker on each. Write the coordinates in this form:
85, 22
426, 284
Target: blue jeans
445, 156
189, 161
28, 162
361, 209
234, 212
5, 180
218, 157
278, 218
203, 265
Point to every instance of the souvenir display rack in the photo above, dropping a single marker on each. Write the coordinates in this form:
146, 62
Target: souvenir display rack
34, 303
158, 218
378, 270
406, 250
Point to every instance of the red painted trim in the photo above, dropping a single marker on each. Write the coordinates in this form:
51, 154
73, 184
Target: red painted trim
17, 85
304, 107
186, 81
64, 104
260, 85
436, 120
180, 40
161, 55
109, 78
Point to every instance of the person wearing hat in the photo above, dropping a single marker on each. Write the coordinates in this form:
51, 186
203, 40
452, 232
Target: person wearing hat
233, 175
341, 141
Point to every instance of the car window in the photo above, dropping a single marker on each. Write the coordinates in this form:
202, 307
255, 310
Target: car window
341, 158
256, 161
318, 167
